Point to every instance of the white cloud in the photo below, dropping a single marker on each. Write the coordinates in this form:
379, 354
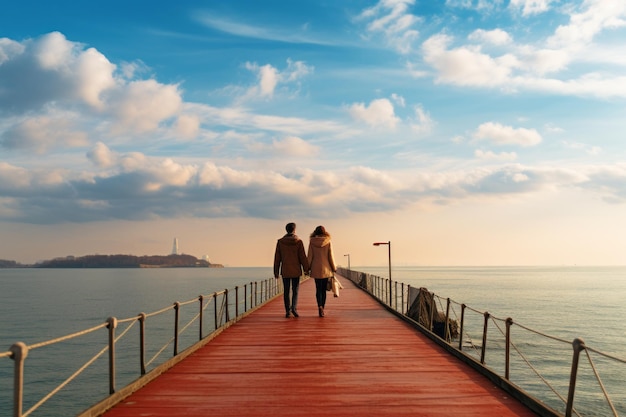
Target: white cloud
588, 149
583, 27
9, 49
41, 133
187, 126
494, 37
507, 135
393, 20
288, 146
140, 106
380, 112
423, 122
466, 66
270, 78
492, 156
531, 7
526, 66
102, 156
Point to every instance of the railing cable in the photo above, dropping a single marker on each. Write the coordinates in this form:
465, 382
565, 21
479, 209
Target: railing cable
604, 392
75, 374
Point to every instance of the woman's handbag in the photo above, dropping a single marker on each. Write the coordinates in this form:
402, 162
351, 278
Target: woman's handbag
329, 284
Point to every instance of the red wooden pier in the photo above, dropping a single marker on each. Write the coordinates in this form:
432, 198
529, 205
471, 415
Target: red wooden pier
358, 360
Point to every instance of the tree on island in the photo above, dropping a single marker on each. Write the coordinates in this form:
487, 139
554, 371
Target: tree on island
127, 261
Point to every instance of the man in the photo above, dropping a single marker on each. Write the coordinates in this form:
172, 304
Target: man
290, 261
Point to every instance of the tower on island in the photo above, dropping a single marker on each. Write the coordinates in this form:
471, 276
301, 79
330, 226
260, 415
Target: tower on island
175, 247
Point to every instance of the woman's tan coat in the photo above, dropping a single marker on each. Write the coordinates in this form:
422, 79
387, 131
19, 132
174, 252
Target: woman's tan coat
321, 258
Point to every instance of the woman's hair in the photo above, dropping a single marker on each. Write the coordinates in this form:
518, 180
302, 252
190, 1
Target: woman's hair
320, 231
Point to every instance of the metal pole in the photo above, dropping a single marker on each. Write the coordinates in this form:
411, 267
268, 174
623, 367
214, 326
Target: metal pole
19, 352
390, 286
463, 306
176, 315
112, 324
201, 316
142, 343
507, 362
578, 345
484, 347
446, 332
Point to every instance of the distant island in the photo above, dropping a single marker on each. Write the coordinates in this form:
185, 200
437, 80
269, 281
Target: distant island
118, 261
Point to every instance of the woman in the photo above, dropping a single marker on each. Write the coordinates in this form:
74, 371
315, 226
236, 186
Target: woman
321, 263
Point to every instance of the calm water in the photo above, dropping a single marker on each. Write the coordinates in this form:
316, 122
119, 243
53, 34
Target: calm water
41, 304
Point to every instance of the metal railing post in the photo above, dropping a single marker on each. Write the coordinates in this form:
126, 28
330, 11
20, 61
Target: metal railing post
215, 309
236, 301
507, 352
408, 299
176, 316
395, 299
446, 332
226, 305
142, 343
245, 297
484, 346
200, 316
432, 312
111, 325
463, 306
19, 352
578, 345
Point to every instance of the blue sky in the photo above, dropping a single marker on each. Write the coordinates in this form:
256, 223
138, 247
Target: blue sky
466, 132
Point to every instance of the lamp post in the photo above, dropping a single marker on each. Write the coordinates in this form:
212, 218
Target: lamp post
389, 250
348, 255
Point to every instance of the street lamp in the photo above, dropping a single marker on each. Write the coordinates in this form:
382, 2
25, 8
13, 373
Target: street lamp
348, 255
389, 248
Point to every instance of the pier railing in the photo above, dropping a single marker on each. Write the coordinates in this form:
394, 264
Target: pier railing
510, 354
228, 306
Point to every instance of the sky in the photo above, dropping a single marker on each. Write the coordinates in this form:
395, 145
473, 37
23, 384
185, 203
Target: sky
464, 132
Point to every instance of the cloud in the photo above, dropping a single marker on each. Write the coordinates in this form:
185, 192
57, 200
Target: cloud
289, 146
466, 66
135, 186
140, 106
584, 26
558, 63
495, 36
187, 126
492, 156
423, 123
507, 135
40, 133
531, 7
101, 156
588, 149
270, 78
56, 90
392, 19
52, 69
280, 34
380, 112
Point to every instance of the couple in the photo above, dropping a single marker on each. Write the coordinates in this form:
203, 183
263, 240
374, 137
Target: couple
290, 261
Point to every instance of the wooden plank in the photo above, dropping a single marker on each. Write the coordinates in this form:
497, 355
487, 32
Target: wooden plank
358, 360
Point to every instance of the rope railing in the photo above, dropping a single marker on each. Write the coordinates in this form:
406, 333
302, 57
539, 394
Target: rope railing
19, 351
379, 288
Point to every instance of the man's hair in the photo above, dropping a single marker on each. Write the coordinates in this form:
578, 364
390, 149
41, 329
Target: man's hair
290, 228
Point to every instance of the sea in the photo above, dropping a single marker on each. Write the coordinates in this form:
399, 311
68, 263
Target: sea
550, 306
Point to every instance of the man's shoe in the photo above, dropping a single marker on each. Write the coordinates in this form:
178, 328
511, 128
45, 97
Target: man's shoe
287, 315
294, 312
